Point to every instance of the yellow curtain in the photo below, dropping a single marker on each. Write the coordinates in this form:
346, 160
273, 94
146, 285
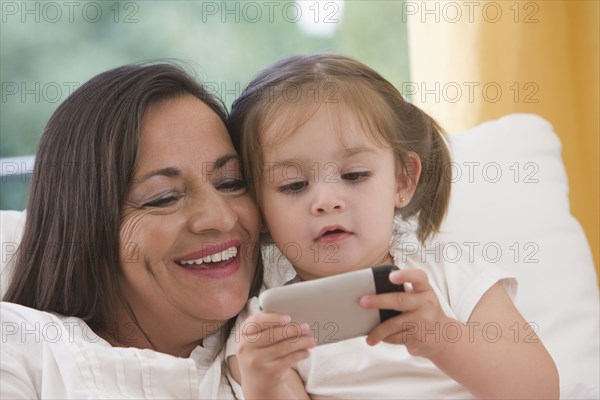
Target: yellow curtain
542, 55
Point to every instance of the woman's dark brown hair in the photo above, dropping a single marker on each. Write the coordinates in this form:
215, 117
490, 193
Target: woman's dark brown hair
68, 259
284, 95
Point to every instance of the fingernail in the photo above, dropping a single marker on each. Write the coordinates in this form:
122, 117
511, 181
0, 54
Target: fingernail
395, 275
286, 319
304, 328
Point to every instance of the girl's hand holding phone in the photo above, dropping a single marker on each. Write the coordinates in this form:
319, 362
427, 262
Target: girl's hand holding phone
421, 315
268, 348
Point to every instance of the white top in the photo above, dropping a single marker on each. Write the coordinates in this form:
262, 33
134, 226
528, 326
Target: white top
353, 369
50, 356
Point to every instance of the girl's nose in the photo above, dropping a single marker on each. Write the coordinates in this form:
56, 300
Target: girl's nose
327, 200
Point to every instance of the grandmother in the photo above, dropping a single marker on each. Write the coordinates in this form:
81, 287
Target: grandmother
139, 249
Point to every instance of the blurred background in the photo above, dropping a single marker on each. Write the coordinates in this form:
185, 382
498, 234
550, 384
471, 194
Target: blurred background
464, 62
48, 49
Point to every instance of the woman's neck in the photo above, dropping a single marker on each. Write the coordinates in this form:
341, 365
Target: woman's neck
167, 335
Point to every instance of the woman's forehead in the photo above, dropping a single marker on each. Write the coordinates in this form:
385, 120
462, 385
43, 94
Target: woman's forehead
182, 128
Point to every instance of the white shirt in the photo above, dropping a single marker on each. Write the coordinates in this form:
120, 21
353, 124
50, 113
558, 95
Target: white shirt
50, 356
353, 369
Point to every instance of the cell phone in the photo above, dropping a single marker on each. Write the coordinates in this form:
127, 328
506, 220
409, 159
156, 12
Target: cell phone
330, 305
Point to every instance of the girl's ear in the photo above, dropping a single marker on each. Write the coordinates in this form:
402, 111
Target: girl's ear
407, 179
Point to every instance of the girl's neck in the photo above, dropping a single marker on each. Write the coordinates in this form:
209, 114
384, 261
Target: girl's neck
387, 259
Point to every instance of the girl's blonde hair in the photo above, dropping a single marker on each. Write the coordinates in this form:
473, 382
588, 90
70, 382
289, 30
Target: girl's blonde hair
286, 94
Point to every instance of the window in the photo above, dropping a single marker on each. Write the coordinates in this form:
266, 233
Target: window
48, 49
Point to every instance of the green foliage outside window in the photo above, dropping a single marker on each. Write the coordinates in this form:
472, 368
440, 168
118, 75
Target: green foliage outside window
47, 49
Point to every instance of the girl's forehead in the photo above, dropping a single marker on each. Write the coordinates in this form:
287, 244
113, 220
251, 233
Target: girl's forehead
350, 126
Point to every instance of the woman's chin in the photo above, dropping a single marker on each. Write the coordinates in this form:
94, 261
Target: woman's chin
230, 306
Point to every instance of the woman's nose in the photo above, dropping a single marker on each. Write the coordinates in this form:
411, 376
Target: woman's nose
212, 211
327, 200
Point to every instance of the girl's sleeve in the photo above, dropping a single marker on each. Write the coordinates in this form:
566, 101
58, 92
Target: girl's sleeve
460, 279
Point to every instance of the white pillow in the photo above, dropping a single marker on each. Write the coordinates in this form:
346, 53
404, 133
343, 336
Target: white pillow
510, 198
510, 193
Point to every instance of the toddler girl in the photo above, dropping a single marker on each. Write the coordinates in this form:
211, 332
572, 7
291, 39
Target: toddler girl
333, 153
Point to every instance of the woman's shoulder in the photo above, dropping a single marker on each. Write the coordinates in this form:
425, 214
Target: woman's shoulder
27, 328
17, 313
26, 335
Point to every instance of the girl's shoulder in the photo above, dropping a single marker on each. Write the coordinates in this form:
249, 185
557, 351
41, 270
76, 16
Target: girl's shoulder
457, 272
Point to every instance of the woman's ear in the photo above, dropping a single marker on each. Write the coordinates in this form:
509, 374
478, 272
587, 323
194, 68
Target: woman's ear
407, 179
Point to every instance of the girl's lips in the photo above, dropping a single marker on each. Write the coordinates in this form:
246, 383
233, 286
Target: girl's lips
332, 234
334, 237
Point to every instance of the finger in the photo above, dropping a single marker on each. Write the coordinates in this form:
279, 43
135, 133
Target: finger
277, 333
401, 328
283, 363
259, 322
416, 277
276, 351
253, 307
285, 348
398, 301
291, 359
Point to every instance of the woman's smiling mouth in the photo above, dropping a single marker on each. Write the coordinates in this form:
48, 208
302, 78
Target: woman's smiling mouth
215, 261
224, 255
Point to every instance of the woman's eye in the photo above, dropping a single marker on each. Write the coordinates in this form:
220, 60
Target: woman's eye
356, 176
162, 201
232, 185
293, 187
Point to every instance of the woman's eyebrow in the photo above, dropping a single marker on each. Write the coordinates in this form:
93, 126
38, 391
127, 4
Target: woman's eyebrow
221, 161
170, 172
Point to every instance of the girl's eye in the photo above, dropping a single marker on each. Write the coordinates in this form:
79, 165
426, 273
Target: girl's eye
163, 201
356, 176
293, 187
232, 185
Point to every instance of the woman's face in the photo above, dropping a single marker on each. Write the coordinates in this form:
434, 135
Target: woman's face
189, 228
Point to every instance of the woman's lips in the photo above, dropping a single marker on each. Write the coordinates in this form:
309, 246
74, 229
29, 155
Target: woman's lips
224, 255
211, 252
214, 261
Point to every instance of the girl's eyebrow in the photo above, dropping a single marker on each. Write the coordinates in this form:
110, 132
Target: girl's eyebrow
172, 172
352, 151
283, 163
346, 153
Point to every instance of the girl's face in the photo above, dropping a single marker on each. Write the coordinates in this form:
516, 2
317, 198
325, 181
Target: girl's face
329, 193
189, 228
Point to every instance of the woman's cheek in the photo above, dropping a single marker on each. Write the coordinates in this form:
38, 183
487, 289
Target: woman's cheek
131, 236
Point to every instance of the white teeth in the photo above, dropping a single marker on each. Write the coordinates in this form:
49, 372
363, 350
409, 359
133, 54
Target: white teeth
226, 254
